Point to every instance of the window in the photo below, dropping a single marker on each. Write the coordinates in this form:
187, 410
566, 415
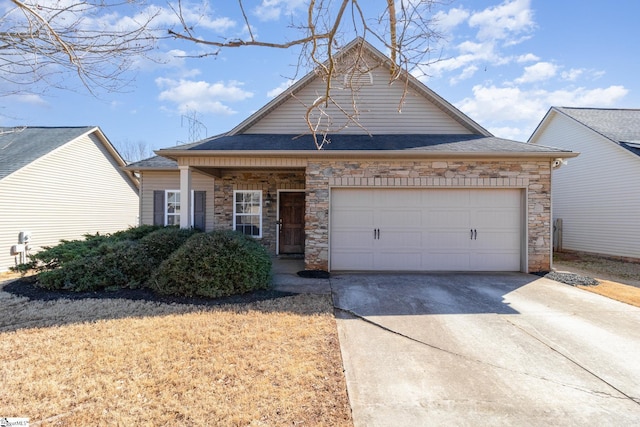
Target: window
166, 208
247, 212
172, 208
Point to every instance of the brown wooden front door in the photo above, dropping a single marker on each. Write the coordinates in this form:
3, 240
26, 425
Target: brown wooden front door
291, 223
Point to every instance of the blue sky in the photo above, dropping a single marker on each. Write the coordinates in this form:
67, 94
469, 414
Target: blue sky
502, 63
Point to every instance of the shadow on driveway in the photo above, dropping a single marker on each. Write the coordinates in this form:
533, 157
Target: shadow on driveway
434, 293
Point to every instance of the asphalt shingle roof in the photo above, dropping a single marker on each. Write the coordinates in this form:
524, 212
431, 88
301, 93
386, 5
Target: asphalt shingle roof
155, 162
343, 142
619, 125
22, 145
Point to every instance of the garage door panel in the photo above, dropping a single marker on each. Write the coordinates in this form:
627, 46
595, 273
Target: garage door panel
506, 241
426, 229
354, 218
453, 261
451, 239
450, 198
394, 260
446, 217
400, 239
351, 197
502, 218
390, 197
352, 260
495, 262
391, 217
504, 198
352, 239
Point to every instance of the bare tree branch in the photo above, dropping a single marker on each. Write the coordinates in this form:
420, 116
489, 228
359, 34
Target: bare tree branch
41, 42
404, 27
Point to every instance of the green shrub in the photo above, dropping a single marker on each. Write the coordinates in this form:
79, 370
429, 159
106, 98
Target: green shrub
123, 259
101, 269
136, 233
140, 262
53, 257
216, 264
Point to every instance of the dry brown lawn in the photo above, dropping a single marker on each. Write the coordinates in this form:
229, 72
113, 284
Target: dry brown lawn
120, 362
619, 279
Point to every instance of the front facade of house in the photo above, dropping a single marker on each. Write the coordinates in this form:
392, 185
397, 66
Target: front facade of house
423, 189
596, 195
60, 183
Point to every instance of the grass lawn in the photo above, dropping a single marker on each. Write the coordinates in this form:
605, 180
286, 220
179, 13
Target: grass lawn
120, 362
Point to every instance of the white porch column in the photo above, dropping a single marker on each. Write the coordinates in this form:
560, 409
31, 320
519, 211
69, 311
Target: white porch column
185, 197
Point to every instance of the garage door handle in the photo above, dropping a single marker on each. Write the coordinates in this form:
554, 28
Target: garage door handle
474, 234
378, 234
471, 234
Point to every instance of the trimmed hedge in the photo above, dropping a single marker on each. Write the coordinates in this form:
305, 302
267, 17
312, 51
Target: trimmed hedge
216, 264
169, 260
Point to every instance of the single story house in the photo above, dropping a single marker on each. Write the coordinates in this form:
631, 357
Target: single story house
597, 195
60, 183
417, 188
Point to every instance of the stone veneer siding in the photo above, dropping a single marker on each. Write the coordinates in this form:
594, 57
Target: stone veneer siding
532, 175
267, 182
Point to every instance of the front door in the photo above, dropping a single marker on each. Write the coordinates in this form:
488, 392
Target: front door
291, 239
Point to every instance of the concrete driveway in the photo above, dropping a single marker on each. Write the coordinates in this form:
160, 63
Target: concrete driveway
485, 349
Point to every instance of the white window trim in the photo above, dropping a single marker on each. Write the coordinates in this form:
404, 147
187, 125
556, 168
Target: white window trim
166, 214
235, 192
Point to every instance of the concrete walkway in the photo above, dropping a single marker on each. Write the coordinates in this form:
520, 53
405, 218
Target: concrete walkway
485, 349
286, 279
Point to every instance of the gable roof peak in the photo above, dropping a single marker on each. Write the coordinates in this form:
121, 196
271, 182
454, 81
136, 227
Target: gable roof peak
382, 60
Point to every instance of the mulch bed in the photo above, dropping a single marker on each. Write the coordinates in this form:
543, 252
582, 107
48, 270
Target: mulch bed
26, 287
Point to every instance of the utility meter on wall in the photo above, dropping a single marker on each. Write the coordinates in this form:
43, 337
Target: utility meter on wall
24, 237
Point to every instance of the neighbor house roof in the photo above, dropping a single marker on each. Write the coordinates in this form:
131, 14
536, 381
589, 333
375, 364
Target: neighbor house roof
621, 126
20, 146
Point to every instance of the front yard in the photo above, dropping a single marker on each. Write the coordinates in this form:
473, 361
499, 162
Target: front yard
121, 362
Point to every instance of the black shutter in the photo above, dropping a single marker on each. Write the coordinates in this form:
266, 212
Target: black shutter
199, 208
158, 207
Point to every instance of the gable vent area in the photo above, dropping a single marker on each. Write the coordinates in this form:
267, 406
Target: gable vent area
358, 79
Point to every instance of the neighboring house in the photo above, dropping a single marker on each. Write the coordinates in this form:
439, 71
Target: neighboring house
426, 188
597, 195
61, 183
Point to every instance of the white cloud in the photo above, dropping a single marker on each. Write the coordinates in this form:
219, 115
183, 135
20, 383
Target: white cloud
504, 21
499, 26
514, 108
446, 21
529, 57
278, 90
271, 10
467, 73
29, 99
537, 72
572, 74
200, 96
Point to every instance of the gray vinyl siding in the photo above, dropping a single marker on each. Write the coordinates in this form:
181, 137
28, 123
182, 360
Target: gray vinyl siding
596, 194
170, 180
378, 106
75, 189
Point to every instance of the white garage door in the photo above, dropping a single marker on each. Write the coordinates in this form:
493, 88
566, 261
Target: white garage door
420, 229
